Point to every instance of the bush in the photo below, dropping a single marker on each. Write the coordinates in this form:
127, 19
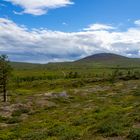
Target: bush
13, 120
20, 111
79, 121
64, 132
42, 135
109, 128
3, 119
70, 135
136, 93
134, 134
72, 75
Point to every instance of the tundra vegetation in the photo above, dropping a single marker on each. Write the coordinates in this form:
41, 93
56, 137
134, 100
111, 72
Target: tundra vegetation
72, 101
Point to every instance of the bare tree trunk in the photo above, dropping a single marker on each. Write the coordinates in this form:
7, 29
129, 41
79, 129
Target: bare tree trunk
4, 94
4, 89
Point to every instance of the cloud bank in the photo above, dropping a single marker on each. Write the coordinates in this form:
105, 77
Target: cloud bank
38, 7
42, 45
94, 27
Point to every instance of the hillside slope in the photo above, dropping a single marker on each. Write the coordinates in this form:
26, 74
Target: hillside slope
103, 57
97, 60
109, 59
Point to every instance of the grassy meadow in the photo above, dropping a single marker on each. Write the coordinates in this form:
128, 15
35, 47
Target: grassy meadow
72, 101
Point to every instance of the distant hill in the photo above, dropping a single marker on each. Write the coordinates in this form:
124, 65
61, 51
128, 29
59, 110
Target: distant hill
96, 60
23, 65
109, 59
101, 57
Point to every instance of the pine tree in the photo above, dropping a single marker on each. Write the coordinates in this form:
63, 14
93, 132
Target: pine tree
5, 71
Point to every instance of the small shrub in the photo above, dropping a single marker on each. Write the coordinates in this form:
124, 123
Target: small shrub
20, 111
136, 93
64, 132
13, 120
2, 119
42, 135
109, 129
134, 134
72, 75
79, 121
70, 135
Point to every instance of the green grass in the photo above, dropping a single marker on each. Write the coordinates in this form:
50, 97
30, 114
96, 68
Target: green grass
96, 104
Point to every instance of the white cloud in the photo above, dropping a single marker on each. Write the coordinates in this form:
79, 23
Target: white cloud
64, 23
39, 7
17, 13
137, 22
42, 45
94, 27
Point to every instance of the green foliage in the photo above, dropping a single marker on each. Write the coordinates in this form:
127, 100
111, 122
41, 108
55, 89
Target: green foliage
136, 93
20, 112
73, 75
110, 128
2, 119
134, 134
5, 68
92, 108
5, 71
13, 120
64, 132
40, 135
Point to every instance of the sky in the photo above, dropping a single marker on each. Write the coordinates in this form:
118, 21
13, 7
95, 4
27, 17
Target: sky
42, 31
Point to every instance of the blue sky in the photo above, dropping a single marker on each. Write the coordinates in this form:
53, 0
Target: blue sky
68, 29
79, 14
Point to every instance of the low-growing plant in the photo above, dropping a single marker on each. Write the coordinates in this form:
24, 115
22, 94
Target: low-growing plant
2, 119
134, 134
13, 120
109, 128
20, 111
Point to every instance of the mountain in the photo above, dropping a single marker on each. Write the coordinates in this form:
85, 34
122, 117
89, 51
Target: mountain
103, 57
96, 60
110, 59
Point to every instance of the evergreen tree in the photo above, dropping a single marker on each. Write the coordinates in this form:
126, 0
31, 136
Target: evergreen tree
5, 71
